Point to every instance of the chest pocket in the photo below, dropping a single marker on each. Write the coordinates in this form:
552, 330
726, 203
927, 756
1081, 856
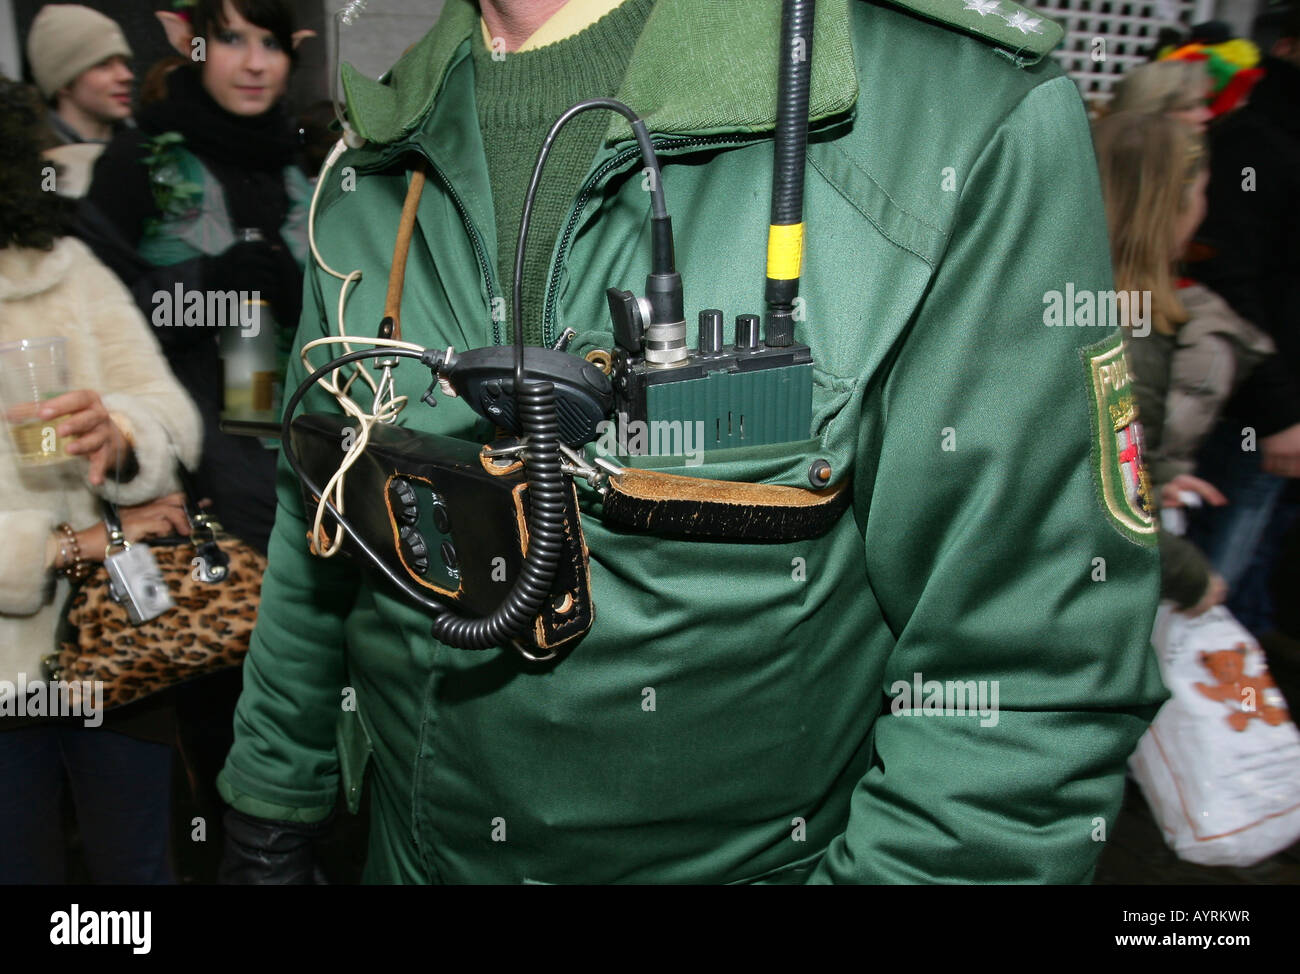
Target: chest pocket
771, 492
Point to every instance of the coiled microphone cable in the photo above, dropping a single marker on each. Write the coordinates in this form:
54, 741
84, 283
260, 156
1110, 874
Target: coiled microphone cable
546, 488
538, 420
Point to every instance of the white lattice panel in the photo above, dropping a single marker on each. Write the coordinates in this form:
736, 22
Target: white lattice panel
1105, 38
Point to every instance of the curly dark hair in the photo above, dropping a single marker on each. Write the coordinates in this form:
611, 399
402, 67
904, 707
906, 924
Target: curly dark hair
31, 215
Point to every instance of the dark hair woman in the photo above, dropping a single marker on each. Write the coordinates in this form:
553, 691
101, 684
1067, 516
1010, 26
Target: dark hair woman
204, 199
106, 430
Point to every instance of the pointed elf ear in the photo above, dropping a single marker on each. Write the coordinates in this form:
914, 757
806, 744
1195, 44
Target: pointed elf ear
301, 35
179, 31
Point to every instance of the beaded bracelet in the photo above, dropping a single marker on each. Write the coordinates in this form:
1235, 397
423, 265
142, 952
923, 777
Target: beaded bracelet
79, 568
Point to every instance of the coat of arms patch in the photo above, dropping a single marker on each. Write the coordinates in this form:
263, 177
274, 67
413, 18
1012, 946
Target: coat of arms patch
1123, 486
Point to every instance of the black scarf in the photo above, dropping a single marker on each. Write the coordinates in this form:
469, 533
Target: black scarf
247, 154
265, 141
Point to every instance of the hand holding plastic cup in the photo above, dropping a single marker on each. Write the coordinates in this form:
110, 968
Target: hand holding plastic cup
32, 371
88, 430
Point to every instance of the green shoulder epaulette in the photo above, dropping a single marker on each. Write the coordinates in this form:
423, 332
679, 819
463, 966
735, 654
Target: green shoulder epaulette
1019, 32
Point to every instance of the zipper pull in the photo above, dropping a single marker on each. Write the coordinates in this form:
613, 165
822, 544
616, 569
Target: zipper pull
562, 343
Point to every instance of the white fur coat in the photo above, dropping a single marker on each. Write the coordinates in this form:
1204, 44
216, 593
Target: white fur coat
110, 349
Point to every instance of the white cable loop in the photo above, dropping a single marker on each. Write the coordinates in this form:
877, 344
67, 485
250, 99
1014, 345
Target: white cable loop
381, 412
385, 406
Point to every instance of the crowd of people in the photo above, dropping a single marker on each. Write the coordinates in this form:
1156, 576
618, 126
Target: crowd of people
203, 187
1198, 172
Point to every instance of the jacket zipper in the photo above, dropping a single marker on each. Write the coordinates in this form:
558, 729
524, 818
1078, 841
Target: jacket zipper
484, 266
670, 142
483, 263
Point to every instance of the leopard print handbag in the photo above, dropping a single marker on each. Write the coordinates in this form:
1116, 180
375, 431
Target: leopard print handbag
207, 631
214, 580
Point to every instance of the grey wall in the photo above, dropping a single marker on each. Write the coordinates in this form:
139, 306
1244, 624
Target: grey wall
383, 31
1238, 14
10, 59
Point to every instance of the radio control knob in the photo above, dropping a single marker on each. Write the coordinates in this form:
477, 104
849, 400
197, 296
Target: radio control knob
449, 559
711, 328
406, 503
747, 333
441, 519
414, 550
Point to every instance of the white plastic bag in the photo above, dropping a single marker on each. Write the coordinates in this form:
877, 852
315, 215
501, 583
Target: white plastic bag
1220, 766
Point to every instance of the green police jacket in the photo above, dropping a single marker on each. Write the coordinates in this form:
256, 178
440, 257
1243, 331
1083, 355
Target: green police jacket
946, 686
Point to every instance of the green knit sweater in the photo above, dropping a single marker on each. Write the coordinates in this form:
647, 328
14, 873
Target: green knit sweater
518, 99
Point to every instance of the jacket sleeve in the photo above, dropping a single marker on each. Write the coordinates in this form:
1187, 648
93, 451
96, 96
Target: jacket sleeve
1150, 375
137, 385
119, 188
24, 580
1201, 377
112, 218
983, 531
283, 764
1184, 570
1178, 400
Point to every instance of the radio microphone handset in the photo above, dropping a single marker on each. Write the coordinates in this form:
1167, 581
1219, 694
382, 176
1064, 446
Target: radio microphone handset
546, 489
485, 379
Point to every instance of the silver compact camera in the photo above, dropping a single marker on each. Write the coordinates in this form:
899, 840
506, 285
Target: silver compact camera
135, 582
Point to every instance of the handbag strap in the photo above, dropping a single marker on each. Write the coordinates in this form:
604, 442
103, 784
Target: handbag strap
201, 521
112, 520
116, 537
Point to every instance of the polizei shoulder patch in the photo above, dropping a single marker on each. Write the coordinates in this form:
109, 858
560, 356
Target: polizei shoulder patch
1123, 488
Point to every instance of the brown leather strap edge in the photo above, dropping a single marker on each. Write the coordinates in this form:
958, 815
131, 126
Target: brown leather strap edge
734, 511
401, 249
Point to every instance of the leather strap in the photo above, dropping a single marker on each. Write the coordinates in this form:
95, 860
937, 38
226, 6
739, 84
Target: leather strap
196, 515
112, 523
391, 326
568, 615
694, 507
200, 520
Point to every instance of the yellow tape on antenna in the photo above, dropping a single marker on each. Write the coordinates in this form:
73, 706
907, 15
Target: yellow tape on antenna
784, 251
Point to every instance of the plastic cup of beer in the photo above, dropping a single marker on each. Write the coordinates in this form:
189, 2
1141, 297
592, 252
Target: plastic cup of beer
31, 371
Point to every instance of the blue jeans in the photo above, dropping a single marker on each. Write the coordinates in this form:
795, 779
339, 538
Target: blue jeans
121, 788
1231, 536
1252, 601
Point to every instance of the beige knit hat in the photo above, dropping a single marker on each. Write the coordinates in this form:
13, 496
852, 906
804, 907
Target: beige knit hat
66, 39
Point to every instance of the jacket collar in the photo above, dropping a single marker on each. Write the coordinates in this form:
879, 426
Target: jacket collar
26, 271
700, 67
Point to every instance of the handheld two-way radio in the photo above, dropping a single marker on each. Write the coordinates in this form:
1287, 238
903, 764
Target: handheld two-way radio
489, 539
753, 390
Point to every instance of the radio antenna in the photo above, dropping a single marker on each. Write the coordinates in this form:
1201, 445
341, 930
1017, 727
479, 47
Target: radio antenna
785, 235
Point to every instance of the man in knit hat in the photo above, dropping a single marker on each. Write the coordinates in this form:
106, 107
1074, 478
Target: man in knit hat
79, 59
